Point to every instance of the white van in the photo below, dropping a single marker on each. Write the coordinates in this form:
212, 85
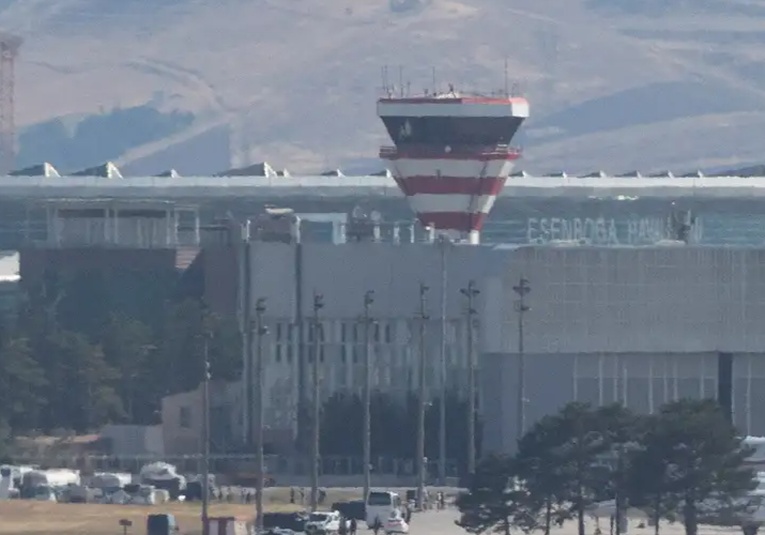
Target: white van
380, 505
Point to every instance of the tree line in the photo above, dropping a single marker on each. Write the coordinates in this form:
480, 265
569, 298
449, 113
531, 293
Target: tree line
394, 427
684, 463
103, 347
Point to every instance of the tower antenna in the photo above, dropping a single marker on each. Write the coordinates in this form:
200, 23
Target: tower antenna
507, 81
401, 80
435, 87
9, 50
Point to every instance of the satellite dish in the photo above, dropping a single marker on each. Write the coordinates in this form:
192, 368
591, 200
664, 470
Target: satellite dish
375, 216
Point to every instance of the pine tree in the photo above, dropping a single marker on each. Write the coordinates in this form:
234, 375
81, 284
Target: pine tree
695, 455
496, 501
541, 467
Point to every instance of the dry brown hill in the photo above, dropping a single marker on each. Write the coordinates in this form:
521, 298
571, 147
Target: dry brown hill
614, 84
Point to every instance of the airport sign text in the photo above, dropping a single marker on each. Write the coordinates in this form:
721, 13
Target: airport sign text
604, 231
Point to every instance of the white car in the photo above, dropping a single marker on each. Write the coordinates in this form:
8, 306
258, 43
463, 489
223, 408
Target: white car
324, 522
396, 524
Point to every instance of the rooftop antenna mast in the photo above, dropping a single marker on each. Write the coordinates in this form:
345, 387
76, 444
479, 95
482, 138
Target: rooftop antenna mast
515, 90
401, 80
386, 89
435, 86
507, 81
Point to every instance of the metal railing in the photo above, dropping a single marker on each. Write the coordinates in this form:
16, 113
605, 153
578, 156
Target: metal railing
428, 151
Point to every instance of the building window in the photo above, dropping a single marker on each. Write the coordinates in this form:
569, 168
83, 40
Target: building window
290, 342
343, 342
377, 332
309, 346
279, 342
356, 338
388, 333
322, 342
184, 417
312, 332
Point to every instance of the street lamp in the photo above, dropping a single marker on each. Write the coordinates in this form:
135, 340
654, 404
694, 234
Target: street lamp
367, 438
470, 293
421, 468
260, 331
522, 289
206, 437
444, 242
318, 304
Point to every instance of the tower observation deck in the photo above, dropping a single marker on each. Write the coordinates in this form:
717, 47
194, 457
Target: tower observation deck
451, 155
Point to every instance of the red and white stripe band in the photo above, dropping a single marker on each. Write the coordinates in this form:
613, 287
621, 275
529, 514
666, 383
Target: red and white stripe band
459, 221
449, 192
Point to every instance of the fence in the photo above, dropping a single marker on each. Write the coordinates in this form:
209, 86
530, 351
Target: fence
276, 465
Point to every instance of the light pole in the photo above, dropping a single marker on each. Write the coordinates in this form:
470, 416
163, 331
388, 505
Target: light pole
367, 438
522, 289
421, 468
206, 437
318, 304
444, 242
260, 331
470, 294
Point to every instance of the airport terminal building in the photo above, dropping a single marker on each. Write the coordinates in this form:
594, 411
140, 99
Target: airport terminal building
619, 311
603, 211
634, 325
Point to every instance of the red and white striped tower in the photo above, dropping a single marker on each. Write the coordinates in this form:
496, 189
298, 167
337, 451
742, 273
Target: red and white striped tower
452, 155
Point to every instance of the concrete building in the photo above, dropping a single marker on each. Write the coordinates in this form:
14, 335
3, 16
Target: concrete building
603, 321
84, 235
182, 416
599, 210
638, 326
287, 275
133, 440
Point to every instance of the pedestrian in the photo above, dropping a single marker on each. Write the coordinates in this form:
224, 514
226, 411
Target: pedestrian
353, 526
343, 527
292, 495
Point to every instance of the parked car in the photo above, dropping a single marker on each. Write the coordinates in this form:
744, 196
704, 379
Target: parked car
324, 523
290, 521
396, 524
351, 509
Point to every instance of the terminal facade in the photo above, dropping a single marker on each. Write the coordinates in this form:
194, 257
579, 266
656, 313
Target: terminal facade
635, 323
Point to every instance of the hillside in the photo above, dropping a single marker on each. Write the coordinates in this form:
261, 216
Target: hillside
614, 84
